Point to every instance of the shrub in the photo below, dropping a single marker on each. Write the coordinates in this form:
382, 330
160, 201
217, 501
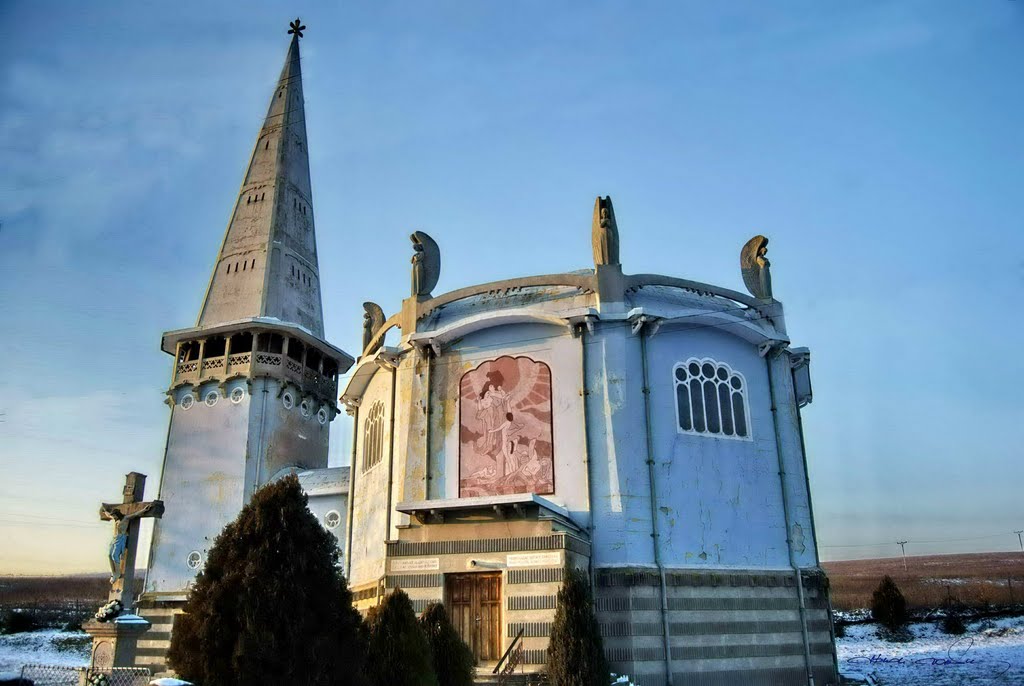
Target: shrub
576, 651
888, 606
840, 628
271, 605
17, 621
953, 617
953, 624
452, 658
398, 653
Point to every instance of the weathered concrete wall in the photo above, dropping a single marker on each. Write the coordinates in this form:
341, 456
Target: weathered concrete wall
618, 448
201, 484
720, 499
321, 505
369, 490
280, 437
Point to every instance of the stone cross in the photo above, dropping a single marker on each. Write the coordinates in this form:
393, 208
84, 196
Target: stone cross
127, 515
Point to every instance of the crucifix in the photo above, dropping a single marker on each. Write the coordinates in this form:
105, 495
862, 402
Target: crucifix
126, 516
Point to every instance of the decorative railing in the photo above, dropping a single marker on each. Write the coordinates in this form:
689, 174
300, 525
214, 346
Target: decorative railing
270, 359
310, 379
512, 658
239, 359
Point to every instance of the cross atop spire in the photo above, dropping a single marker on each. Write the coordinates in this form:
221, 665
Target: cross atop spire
296, 27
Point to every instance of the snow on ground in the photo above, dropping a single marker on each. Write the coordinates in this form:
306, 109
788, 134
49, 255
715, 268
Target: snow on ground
991, 653
47, 647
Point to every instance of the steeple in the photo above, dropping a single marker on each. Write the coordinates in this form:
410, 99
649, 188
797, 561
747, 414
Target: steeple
267, 266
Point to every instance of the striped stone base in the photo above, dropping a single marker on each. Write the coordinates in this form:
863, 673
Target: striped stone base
726, 628
154, 644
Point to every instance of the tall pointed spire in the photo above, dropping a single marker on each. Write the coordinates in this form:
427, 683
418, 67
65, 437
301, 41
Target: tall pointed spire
267, 265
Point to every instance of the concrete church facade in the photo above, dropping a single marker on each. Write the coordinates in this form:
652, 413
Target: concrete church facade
643, 428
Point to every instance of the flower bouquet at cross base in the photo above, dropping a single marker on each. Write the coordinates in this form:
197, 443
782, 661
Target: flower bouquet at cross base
97, 679
109, 611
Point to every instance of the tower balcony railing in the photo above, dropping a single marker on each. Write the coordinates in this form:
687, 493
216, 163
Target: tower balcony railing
252, 363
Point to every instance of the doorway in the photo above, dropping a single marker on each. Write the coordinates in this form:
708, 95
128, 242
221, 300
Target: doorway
474, 603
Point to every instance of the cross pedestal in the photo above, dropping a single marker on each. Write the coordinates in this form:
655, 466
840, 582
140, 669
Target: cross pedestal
116, 629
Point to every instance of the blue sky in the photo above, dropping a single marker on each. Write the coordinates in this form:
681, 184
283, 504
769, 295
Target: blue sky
878, 144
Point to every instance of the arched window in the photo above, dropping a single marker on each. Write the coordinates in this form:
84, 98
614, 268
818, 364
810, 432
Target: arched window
711, 399
373, 436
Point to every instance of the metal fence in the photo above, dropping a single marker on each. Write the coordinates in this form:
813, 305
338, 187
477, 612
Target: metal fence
52, 675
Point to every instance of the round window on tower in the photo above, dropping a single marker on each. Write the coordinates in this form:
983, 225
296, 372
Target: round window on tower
187, 401
211, 398
288, 400
194, 560
332, 519
306, 408
322, 416
237, 394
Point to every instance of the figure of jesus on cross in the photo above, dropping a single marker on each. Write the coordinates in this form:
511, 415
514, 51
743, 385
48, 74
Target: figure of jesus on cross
126, 516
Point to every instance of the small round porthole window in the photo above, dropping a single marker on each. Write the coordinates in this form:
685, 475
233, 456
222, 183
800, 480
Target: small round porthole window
211, 398
187, 401
332, 519
194, 560
305, 408
288, 401
237, 394
322, 416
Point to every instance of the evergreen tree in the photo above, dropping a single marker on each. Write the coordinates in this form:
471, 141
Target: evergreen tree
453, 660
398, 653
271, 605
888, 606
576, 652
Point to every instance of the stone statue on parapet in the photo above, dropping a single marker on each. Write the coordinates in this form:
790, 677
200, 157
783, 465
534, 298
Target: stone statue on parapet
604, 233
426, 264
373, 319
756, 268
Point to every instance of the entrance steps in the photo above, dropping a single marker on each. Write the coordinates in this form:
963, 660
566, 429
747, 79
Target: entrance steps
485, 678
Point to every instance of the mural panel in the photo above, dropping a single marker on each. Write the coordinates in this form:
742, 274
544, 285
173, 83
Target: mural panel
505, 433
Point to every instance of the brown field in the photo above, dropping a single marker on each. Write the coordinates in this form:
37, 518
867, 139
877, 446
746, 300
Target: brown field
47, 591
977, 580
55, 600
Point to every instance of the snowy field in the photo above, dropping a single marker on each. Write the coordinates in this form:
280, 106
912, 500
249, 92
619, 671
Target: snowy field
48, 647
991, 652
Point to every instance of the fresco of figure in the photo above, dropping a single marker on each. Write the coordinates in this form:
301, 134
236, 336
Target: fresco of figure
755, 268
604, 232
505, 433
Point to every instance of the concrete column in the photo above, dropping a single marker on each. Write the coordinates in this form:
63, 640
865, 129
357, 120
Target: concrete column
202, 355
227, 354
799, 528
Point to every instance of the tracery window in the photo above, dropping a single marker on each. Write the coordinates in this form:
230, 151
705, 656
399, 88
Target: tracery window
373, 436
711, 399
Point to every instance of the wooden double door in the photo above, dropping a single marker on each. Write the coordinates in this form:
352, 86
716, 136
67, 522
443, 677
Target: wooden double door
474, 603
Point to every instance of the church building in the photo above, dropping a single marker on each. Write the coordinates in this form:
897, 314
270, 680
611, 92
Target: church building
645, 429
